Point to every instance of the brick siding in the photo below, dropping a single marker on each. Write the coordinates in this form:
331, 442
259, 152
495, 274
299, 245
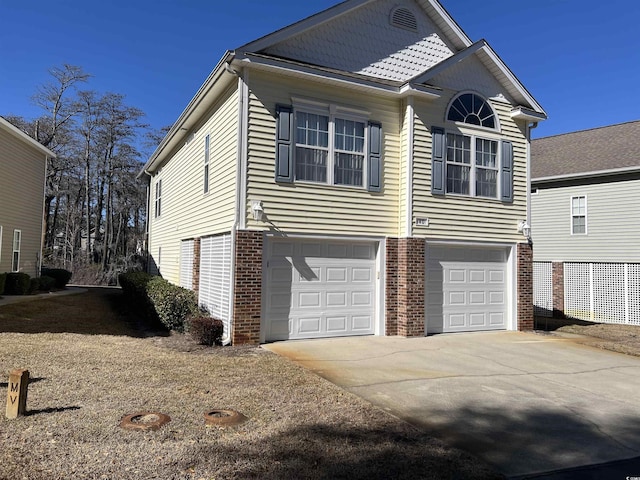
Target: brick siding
557, 281
411, 282
391, 287
247, 294
525, 286
195, 279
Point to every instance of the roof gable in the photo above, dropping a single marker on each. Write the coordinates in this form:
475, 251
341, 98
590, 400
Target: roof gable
611, 148
364, 41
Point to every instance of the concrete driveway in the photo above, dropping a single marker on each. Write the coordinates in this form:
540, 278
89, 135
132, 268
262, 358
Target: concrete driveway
525, 403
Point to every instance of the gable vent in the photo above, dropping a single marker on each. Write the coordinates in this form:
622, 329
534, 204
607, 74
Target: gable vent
404, 18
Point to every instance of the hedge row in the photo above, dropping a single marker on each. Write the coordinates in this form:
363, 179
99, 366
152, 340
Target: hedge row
20, 283
159, 299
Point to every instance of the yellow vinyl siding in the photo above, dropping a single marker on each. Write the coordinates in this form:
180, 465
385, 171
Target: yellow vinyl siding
403, 170
459, 217
22, 170
318, 208
187, 212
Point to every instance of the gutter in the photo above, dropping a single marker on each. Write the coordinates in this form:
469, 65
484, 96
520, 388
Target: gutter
596, 173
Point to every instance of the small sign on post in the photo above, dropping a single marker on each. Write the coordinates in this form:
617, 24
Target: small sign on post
17, 393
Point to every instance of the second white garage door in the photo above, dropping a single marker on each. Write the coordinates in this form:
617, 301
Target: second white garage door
319, 288
466, 289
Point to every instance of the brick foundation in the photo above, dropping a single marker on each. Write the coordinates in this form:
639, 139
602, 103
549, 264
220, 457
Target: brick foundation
391, 287
525, 286
247, 295
195, 279
410, 287
557, 280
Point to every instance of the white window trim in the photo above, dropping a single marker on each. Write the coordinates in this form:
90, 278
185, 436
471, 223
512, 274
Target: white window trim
16, 267
571, 216
206, 169
472, 177
157, 210
333, 111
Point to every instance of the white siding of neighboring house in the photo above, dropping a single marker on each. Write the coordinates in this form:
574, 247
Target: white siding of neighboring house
22, 171
317, 208
613, 223
187, 212
461, 217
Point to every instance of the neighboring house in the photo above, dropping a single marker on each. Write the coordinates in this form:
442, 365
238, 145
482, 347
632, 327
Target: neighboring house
363, 171
23, 163
585, 210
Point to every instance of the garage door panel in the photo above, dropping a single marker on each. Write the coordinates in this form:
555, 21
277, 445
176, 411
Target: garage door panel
324, 288
466, 289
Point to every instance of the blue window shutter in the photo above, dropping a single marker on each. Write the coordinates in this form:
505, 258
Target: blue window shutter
506, 172
375, 157
437, 160
284, 143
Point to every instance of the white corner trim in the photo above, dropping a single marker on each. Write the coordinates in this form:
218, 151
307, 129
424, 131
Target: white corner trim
410, 140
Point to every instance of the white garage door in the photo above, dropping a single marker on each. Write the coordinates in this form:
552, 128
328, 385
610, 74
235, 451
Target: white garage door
317, 288
466, 289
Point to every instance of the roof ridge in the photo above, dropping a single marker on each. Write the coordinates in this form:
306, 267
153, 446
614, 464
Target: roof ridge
586, 130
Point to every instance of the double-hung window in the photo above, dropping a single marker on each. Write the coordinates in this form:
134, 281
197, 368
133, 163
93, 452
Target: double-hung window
329, 145
578, 215
206, 164
472, 161
15, 260
329, 148
158, 201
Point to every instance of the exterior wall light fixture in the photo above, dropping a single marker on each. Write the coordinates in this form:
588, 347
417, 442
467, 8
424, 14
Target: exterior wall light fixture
258, 211
525, 229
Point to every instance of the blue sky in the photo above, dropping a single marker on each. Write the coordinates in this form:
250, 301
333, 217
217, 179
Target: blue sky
579, 58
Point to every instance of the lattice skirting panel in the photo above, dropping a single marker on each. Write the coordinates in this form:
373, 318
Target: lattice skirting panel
602, 292
542, 289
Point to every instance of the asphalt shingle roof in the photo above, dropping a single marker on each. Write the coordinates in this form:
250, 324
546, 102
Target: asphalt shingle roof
598, 149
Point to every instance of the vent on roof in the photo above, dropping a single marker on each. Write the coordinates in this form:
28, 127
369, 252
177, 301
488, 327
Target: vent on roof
404, 18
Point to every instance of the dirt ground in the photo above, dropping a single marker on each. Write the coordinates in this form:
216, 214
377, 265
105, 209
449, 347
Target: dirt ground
92, 362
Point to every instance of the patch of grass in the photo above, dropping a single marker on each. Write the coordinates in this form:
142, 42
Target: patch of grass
300, 426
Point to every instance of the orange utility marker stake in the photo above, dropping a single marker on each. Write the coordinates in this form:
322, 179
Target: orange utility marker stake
17, 393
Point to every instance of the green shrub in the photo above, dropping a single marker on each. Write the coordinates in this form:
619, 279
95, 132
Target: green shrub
47, 283
172, 304
34, 285
205, 330
60, 275
134, 284
17, 283
3, 279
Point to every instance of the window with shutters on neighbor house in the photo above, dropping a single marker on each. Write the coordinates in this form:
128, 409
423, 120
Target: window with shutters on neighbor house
328, 144
471, 163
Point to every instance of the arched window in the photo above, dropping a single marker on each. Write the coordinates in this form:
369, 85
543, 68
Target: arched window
472, 109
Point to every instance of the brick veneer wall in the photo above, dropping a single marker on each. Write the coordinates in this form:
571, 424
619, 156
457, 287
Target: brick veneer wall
557, 281
391, 287
247, 294
525, 286
195, 278
411, 281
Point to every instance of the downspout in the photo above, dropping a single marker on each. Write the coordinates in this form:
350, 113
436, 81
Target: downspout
410, 139
241, 178
530, 126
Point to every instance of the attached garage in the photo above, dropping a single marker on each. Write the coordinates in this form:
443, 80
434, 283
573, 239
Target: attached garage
318, 288
467, 288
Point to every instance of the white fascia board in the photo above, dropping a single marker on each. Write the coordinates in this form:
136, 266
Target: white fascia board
199, 104
334, 78
460, 39
302, 25
576, 176
16, 132
523, 113
448, 62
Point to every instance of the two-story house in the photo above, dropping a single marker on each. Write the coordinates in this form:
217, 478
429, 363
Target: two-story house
23, 163
363, 171
585, 210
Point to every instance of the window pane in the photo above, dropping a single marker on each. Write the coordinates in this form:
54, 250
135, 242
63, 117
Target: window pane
458, 179
349, 135
458, 148
312, 129
348, 169
486, 152
311, 164
486, 183
579, 225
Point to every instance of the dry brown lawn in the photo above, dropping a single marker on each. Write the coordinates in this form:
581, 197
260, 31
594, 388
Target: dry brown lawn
92, 362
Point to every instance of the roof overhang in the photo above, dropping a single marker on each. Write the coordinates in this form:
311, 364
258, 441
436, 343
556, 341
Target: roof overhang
217, 81
16, 132
585, 175
337, 78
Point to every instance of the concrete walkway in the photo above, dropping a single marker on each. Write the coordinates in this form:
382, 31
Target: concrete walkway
9, 299
525, 403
